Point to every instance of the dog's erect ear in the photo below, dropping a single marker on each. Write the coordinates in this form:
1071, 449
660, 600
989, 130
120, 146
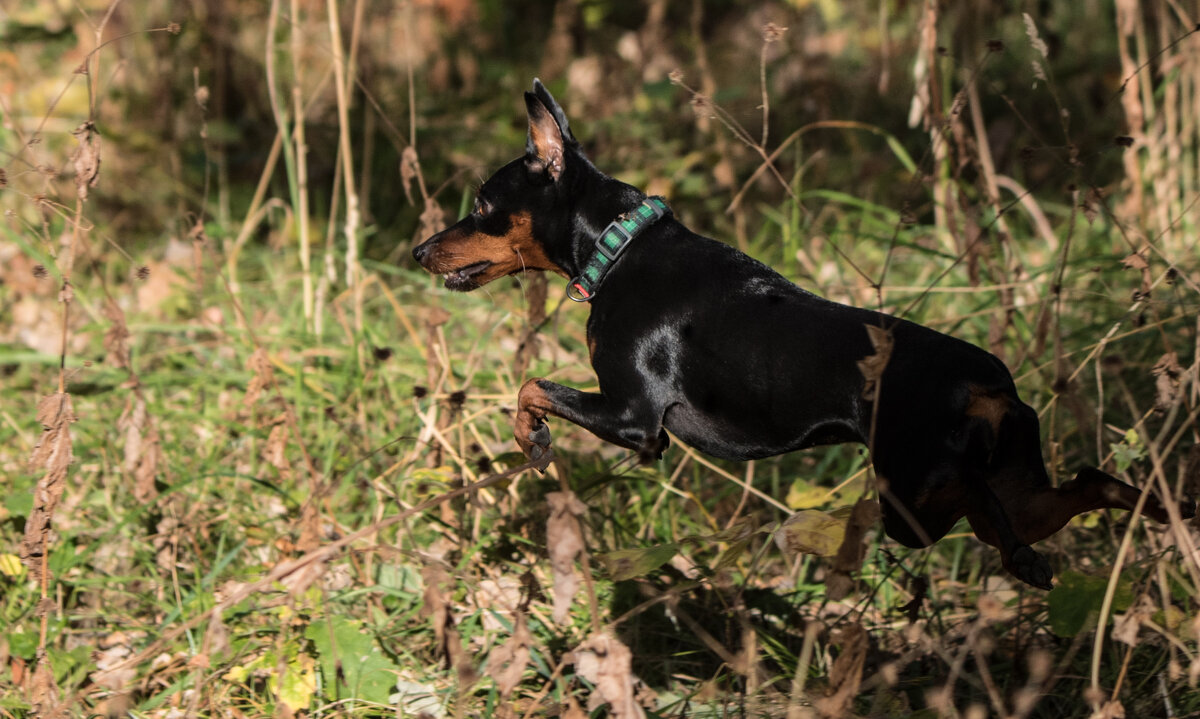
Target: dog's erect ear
549, 133
544, 148
559, 116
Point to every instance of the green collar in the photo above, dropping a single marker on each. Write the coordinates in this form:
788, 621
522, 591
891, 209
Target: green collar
611, 243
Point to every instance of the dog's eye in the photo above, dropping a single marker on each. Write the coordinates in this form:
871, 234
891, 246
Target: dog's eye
482, 207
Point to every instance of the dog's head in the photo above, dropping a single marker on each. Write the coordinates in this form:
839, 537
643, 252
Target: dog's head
518, 213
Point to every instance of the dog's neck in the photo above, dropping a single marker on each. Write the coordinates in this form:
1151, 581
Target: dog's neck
599, 199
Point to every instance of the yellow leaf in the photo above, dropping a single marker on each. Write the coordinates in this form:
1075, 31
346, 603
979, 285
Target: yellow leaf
10, 565
811, 531
299, 682
802, 495
442, 474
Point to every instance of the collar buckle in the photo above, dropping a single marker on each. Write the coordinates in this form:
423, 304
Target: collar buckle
623, 236
613, 240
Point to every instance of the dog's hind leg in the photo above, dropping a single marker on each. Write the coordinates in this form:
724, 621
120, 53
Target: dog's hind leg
1039, 512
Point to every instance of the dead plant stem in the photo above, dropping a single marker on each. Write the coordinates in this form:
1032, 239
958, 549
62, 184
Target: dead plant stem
301, 155
346, 150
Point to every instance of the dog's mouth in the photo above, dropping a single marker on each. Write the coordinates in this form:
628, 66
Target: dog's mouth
464, 278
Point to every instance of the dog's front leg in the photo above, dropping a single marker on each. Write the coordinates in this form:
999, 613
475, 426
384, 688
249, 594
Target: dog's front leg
630, 424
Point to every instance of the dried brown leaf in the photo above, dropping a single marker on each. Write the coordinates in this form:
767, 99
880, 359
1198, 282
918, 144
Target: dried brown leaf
433, 219
845, 676
143, 449
409, 165
310, 527
564, 540
850, 555
437, 608
506, 663
275, 451
131, 422
1126, 626
166, 542
1091, 205
52, 455
146, 470
1136, 262
262, 374
1042, 331
872, 366
1168, 381
43, 690
86, 158
608, 664
116, 339
216, 638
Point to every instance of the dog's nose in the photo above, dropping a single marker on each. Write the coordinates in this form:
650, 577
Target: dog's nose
420, 251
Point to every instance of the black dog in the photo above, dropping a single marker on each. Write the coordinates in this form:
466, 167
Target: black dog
689, 335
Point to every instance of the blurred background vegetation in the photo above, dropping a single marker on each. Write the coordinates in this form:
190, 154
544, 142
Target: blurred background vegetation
259, 371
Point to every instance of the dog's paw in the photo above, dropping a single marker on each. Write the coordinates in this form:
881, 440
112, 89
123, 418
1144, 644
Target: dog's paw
539, 440
535, 443
1031, 568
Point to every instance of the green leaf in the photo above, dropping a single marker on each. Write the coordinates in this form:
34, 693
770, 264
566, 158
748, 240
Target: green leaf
1129, 450
366, 673
732, 554
18, 503
1075, 601
23, 644
629, 563
811, 531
